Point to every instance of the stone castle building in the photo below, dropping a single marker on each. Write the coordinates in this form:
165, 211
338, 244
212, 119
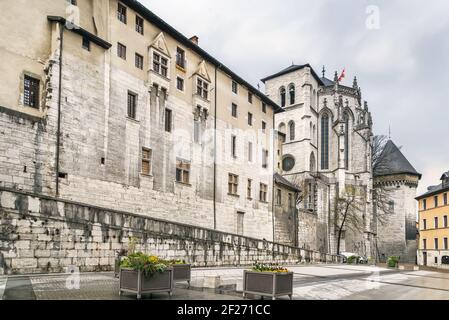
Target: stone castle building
327, 147
104, 103
397, 181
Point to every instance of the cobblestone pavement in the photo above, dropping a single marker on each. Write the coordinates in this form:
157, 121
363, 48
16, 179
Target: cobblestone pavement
331, 282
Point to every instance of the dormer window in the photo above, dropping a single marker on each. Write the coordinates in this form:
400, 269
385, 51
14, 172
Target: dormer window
202, 88
160, 64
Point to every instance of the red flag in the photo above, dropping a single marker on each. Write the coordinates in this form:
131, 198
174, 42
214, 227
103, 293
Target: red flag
342, 75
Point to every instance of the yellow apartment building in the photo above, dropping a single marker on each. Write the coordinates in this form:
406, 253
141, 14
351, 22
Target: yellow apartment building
433, 249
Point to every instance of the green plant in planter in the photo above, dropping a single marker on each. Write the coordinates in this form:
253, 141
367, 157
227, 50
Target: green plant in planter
149, 265
261, 267
174, 262
351, 259
392, 261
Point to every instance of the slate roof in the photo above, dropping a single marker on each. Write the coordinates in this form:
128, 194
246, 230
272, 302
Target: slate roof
164, 26
394, 162
327, 82
292, 68
432, 190
282, 181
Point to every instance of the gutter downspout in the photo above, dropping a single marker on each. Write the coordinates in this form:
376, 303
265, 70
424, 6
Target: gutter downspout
215, 148
273, 137
58, 133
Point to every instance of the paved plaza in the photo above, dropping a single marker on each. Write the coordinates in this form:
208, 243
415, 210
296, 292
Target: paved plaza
317, 282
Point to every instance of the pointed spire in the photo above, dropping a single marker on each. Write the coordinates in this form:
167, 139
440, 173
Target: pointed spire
389, 132
324, 71
355, 84
336, 76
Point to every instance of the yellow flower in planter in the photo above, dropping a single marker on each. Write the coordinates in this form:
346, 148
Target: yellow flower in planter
153, 259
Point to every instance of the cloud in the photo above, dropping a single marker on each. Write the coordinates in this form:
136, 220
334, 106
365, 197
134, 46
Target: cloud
402, 67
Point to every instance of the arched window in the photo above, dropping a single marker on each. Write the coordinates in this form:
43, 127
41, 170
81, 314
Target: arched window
291, 128
346, 120
282, 92
291, 92
312, 162
325, 142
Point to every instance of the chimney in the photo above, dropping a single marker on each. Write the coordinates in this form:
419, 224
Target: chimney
194, 39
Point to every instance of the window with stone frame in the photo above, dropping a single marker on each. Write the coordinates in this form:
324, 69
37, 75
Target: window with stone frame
121, 51
424, 243
264, 126
146, 161
291, 202
424, 204
31, 92
139, 25
121, 13
132, 105
435, 222
391, 206
250, 97
160, 64
249, 189
435, 243
435, 201
202, 88
263, 192
445, 244
424, 222
445, 221
445, 199
264, 107
183, 171
233, 184
282, 93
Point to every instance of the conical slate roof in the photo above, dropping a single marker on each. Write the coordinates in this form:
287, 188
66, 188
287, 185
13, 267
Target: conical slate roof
392, 161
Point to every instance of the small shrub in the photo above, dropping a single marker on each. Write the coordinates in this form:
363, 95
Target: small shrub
392, 261
351, 259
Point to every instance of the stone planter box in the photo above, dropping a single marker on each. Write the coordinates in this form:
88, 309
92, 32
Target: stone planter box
134, 281
268, 284
182, 272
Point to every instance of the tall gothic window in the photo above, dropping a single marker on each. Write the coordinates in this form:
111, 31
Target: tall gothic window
282, 92
346, 119
291, 127
325, 142
312, 162
291, 92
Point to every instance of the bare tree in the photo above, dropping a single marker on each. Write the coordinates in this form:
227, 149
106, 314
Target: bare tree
382, 193
348, 212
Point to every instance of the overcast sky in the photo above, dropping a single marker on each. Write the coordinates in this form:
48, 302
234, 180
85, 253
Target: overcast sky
400, 59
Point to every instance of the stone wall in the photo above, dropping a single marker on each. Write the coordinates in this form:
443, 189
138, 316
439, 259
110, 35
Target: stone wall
44, 234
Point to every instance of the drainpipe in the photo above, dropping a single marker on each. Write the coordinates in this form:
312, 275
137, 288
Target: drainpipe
272, 173
58, 133
215, 148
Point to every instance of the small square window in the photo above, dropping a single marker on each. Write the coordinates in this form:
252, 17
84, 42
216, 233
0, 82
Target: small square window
139, 24
183, 171
234, 87
234, 110
121, 13
139, 61
121, 51
180, 83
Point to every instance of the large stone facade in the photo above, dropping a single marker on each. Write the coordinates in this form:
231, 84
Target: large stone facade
84, 99
43, 234
325, 168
